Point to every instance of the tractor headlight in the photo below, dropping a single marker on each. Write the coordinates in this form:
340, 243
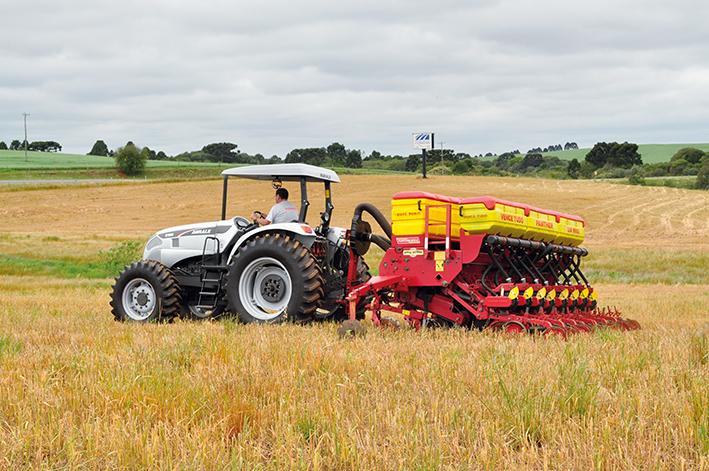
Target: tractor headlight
152, 243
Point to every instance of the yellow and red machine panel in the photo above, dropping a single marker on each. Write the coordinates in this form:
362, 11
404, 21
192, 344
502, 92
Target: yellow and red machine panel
482, 215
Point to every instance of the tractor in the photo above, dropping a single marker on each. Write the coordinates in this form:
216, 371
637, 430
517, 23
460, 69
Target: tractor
264, 274
477, 263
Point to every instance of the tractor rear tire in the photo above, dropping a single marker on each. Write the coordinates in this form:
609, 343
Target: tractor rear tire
273, 278
146, 291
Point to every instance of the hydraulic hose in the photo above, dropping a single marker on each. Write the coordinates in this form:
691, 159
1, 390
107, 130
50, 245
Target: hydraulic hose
375, 213
381, 241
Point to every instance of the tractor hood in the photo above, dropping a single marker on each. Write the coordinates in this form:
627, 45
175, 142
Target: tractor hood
175, 244
170, 245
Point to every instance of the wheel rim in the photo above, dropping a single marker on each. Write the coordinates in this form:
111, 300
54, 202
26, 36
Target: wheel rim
265, 288
199, 312
139, 299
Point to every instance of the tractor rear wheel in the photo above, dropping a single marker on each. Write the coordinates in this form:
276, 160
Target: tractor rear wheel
273, 278
145, 291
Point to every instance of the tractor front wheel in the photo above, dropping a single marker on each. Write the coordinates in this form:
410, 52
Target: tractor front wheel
145, 291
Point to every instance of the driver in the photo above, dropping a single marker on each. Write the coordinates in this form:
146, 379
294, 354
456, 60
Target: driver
282, 211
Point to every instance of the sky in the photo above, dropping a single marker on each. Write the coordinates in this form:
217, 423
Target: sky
270, 76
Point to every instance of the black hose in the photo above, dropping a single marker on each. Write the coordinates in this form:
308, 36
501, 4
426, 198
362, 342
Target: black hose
376, 214
381, 241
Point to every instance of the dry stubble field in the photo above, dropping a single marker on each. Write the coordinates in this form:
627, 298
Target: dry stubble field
78, 390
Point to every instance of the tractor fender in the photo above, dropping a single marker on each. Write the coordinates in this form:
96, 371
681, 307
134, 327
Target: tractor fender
301, 232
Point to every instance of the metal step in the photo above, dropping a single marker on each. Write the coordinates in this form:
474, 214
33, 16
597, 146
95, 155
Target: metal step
211, 280
215, 267
208, 293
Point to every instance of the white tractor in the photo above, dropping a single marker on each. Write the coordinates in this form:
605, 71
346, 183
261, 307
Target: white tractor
258, 273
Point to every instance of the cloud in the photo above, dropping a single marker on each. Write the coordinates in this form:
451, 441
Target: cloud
274, 75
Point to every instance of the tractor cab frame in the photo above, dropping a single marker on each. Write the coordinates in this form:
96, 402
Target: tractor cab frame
278, 173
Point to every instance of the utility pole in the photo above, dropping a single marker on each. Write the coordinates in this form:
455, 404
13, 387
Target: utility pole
25, 115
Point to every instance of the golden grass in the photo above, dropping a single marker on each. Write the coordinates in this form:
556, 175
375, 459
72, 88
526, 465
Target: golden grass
79, 390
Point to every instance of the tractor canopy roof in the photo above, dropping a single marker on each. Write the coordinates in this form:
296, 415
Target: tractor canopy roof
283, 172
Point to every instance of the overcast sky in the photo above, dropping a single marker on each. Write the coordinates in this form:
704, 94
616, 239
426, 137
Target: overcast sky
275, 75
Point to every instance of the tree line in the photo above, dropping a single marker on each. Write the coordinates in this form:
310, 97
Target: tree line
35, 146
604, 160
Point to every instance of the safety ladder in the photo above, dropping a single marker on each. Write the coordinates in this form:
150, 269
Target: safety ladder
211, 277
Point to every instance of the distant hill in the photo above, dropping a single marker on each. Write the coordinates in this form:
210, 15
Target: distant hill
651, 153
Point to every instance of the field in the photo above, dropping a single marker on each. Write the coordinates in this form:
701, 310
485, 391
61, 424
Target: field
650, 153
78, 390
10, 159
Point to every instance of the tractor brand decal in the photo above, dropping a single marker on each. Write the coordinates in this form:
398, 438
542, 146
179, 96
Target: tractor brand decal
573, 230
408, 240
196, 232
413, 252
546, 224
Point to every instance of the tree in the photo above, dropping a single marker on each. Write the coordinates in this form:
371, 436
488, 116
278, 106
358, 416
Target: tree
375, 155
130, 160
223, 151
503, 160
531, 160
574, 168
312, 156
15, 145
353, 159
623, 155
412, 162
690, 154
3, 146
337, 153
100, 148
149, 153
462, 167
703, 175
160, 156
598, 155
44, 146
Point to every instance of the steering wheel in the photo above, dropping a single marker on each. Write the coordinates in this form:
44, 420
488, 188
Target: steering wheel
242, 222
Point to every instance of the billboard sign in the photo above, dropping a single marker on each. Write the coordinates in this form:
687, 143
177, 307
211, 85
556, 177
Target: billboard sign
423, 140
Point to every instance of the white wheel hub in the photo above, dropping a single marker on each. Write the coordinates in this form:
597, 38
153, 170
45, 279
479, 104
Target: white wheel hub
139, 299
265, 288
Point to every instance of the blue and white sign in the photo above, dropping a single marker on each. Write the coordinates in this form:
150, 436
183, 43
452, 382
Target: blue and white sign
423, 140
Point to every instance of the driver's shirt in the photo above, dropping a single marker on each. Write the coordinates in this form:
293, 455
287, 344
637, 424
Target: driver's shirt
282, 212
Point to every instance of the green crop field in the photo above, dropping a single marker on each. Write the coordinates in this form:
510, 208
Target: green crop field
651, 153
10, 159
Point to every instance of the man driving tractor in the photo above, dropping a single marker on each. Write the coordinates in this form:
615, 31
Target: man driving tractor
282, 211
